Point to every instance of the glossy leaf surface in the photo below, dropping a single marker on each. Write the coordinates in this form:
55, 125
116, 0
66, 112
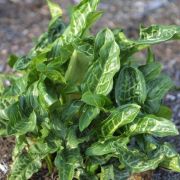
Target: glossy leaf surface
24, 167
151, 70
88, 115
18, 123
130, 86
156, 90
104, 147
119, 117
153, 125
99, 78
97, 100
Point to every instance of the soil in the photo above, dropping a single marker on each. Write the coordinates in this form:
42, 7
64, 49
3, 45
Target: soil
21, 22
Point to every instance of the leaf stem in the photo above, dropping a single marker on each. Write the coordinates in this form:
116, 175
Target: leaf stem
49, 163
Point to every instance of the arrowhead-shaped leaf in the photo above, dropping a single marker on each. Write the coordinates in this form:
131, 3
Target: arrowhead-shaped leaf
18, 123
88, 115
119, 117
99, 78
153, 125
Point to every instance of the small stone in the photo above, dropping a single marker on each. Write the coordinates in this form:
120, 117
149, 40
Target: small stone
3, 168
170, 97
178, 95
2, 67
75, 1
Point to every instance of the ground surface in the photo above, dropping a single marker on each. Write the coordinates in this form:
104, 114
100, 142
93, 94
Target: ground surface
22, 21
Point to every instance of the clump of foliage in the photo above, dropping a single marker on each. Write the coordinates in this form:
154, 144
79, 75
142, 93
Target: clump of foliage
82, 105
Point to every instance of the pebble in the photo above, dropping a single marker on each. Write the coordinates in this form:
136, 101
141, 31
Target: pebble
170, 97
3, 167
2, 67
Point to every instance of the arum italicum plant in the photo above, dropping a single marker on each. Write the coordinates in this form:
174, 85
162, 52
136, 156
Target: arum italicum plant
81, 105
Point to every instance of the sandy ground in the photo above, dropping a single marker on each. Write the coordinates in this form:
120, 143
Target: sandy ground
23, 21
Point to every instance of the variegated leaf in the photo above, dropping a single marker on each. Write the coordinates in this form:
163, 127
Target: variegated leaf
153, 125
76, 28
130, 86
99, 78
119, 117
106, 146
88, 115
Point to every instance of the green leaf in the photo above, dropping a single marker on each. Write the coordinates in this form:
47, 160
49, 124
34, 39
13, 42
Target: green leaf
172, 163
56, 28
19, 146
146, 143
78, 64
4, 105
99, 78
159, 33
3, 127
119, 117
41, 149
93, 17
164, 112
41, 42
54, 8
130, 86
47, 96
121, 175
17, 87
3, 114
103, 147
22, 63
39, 53
157, 89
58, 128
75, 30
85, 46
148, 36
72, 140
71, 110
107, 173
150, 56
88, 176
80, 18
153, 125
168, 150
53, 141
29, 100
28, 163
1, 84
18, 123
89, 113
12, 60
24, 167
51, 73
138, 162
172, 158
97, 100
151, 70
66, 162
